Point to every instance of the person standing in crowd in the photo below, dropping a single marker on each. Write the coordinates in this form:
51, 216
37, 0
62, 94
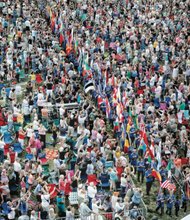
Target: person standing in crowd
160, 203
149, 180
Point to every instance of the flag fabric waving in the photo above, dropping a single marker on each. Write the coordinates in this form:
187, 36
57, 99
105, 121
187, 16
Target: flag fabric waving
157, 175
168, 185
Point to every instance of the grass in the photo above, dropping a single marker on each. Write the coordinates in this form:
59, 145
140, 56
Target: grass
150, 202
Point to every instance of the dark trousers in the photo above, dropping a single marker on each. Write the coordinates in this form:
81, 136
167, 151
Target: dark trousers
148, 187
169, 211
184, 206
176, 210
160, 207
140, 175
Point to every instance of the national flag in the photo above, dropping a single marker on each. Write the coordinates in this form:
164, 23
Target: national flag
100, 101
61, 38
76, 45
106, 76
169, 166
52, 23
70, 39
171, 187
156, 175
124, 99
128, 127
144, 137
119, 94
89, 86
168, 185
165, 184
127, 143
116, 124
108, 108
150, 153
113, 80
187, 190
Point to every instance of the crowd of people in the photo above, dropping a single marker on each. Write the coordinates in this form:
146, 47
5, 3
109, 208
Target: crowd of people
95, 96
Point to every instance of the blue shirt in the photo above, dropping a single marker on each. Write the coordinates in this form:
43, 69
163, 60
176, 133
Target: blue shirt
140, 165
134, 157
163, 174
148, 178
160, 200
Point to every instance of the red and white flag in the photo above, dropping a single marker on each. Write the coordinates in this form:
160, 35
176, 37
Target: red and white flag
168, 185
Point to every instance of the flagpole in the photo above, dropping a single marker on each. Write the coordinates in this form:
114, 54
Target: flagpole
177, 183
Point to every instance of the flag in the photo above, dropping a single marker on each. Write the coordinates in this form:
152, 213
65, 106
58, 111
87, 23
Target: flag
187, 190
157, 175
149, 151
89, 86
165, 184
113, 80
116, 125
124, 99
169, 166
61, 38
144, 137
168, 185
171, 187
126, 144
76, 45
70, 39
108, 108
100, 101
128, 127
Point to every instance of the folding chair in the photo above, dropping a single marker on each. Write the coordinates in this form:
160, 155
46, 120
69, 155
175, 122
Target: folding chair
186, 114
16, 126
6, 149
73, 198
163, 106
108, 164
104, 180
45, 168
29, 156
3, 129
17, 147
167, 100
7, 91
7, 137
156, 102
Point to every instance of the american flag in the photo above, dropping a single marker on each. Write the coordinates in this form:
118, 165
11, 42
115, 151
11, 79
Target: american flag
168, 185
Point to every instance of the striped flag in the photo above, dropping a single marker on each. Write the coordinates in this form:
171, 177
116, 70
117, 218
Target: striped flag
165, 184
108, 108
168, 185
89, 86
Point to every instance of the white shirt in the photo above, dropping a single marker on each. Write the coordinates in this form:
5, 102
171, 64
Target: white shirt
95, 208
2, 144
11, 214
17, 166
45, 200
92, 191
29, 132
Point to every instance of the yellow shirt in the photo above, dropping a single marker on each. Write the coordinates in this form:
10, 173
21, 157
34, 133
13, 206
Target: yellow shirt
20, 118
155, 44
33, 77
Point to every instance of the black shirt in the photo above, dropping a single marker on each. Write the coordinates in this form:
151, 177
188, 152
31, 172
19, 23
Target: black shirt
49, 85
